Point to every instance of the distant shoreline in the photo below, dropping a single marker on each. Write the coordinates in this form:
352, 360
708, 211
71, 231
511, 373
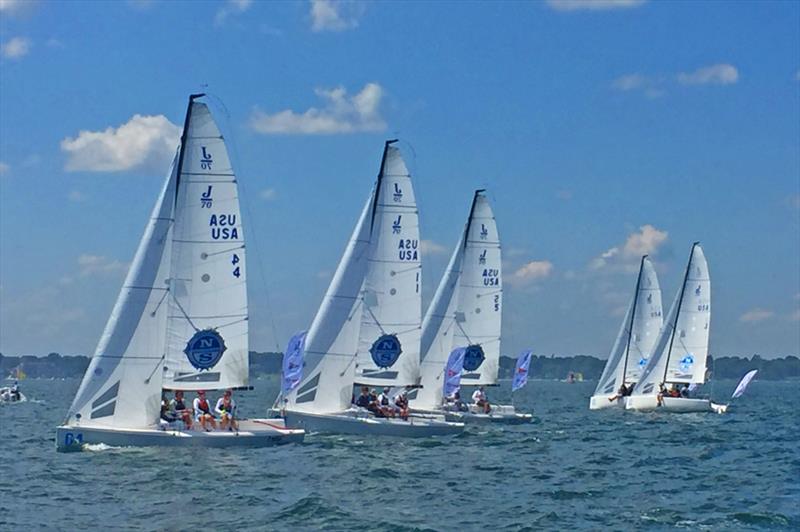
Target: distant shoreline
550, 367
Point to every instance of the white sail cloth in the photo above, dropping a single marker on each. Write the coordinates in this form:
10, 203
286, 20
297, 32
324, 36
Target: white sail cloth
184, 290
375, 293
466, 309
680, 353
637, 334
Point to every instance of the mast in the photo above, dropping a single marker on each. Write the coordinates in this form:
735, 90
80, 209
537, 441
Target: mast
678, 312
633, 315
380, 179
184, 134
478, 192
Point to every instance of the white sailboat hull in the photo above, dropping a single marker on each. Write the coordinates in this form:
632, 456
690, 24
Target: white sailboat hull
649, 403
350, 422
500, 414
252, 433
6, 397
601, 402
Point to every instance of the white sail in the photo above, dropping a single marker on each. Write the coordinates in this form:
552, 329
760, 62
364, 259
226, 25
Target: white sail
637, 334
332, 339
392, 305
208, 293
466, 309
680, 353
122, 385
480, 296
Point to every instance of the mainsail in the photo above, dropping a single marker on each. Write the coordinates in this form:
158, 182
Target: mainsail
680, 353
207, 330
466, 309
389, 340
637, 334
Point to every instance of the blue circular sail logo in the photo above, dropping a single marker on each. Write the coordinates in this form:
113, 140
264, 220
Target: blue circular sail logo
205, 349
385, 351
687, 362
473, 357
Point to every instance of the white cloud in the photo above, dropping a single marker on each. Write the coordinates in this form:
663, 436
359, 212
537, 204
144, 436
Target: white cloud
531, 271
4, 168
592, 5
15, 48
15, 7
720, 74
756, 315
645, 241
268, 194
341, 114
90, 265
231, 7
76, 196
142, 142
429, 247
335, 15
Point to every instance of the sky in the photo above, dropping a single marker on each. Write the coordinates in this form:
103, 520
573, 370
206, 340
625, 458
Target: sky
603, 130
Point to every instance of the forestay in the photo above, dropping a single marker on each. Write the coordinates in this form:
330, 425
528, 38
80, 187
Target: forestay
682, 348
122, 385
207, 329
637, 334
389, 340
466, 309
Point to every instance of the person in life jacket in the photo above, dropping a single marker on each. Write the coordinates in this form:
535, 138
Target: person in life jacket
15, 395
178, 405
401, 404
202, 412
385, 403
226, 409
480, 400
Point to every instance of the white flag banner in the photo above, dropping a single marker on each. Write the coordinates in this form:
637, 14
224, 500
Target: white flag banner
743, 383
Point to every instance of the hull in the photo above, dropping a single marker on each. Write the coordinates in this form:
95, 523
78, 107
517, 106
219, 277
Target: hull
601, 402
500, 414
7, 399
649, 403
252, 433
358, 424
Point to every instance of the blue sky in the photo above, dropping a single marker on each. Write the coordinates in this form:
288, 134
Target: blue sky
602, 130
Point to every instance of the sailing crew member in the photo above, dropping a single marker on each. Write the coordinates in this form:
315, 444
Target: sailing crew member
167, 416
401, 404
622, 392
178, 406
226, 409
15, 395
363, 399
685, 391
385, 403
202, 411
480, 400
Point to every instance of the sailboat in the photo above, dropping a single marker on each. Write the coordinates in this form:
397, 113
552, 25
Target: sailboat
181, 319
635, 340
466, 311
680, 353
367, 329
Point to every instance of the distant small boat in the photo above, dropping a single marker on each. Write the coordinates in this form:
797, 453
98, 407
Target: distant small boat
366, 330
680, 353
8, 395
181, 318
637, 336
466, 312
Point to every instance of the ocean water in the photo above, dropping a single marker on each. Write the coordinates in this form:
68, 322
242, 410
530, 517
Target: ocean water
571, 469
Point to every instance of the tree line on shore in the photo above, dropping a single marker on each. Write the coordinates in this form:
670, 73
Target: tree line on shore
550, 367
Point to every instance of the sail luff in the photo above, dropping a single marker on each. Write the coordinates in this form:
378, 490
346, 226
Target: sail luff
633, 317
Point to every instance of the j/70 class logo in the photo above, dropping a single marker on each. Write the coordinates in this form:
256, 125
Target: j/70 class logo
205, 349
